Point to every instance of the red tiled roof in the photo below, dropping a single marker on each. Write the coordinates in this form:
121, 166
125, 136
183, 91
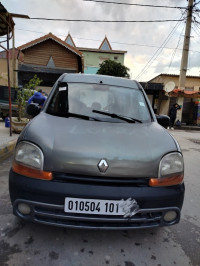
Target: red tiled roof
176, 90
53, 37
185, 91
191, 92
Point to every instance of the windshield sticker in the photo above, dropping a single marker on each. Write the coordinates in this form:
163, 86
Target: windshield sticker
62, 88
141, 104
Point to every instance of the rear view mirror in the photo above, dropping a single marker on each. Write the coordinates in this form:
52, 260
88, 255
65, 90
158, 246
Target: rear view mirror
33, 109
163, 120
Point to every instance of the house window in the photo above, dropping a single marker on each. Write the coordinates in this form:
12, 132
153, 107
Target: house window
105, 46
51, 63
115, 57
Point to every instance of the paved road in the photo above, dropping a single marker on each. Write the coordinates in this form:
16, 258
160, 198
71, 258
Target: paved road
23, 244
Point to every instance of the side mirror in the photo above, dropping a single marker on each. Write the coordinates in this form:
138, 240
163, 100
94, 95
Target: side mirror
33, 109
163, 120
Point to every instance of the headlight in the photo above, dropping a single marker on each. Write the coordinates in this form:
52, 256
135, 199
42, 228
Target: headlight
171, 164
29, 154
28, 161
171, 171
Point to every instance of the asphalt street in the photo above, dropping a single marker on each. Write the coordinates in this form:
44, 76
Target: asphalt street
31, 244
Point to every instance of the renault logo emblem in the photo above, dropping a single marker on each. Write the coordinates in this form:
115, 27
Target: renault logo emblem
103, 166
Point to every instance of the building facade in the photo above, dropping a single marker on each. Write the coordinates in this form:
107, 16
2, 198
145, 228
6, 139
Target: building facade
189, 98
94, 57
48, 57
14, 56
153, 91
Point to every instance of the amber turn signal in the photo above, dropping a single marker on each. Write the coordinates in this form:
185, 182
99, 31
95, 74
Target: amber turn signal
30, 172
166, 181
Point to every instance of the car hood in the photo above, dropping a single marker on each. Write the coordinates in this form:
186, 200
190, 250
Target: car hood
76, 146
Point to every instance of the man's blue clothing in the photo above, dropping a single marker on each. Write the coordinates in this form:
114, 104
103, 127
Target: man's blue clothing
37, 98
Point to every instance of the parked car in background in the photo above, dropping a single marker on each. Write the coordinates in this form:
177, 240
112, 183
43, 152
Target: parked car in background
4, 102
97, 157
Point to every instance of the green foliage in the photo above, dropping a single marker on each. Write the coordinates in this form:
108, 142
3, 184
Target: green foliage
112, 68
23, 94
33, 83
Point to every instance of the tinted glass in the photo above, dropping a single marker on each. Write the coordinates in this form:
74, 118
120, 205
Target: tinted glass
81, 98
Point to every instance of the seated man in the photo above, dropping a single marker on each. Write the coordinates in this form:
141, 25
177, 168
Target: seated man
37, 98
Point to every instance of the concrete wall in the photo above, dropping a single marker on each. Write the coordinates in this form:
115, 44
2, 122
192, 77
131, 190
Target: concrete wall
189, 83
164, 107
4, 73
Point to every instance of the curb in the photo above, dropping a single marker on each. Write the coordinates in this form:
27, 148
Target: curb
7, 149
196, 128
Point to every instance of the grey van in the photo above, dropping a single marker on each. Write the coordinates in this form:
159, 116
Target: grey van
96, 156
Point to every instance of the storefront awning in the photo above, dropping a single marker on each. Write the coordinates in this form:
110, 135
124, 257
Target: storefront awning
186, 92
190, 92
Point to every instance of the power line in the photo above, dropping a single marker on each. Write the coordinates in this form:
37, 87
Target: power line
196, 3
196, 24
108, 21
197, 15
196, 21
113, 42
156, 54
173, 55
196, 30
197, 27
88, 39
129, 4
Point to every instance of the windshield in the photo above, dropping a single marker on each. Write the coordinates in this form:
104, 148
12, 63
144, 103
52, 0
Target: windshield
82, 98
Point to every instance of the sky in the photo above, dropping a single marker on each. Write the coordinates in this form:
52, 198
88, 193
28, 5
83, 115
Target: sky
152, 48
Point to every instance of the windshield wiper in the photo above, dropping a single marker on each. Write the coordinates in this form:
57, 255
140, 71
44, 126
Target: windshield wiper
86, 117
113, 115
68, 114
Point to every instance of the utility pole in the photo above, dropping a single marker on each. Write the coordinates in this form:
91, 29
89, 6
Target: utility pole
13, 60
184, 60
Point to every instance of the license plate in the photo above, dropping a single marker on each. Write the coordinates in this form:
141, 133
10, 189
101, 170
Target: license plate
101, 207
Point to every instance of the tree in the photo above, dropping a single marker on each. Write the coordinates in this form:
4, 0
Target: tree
33, 83
23, 94
112, 68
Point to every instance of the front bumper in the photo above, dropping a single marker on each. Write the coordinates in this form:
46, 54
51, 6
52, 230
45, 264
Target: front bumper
46, 200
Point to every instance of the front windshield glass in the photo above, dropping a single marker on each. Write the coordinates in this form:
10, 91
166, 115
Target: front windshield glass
82, 98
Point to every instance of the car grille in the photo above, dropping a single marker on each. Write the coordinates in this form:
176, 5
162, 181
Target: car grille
55, 215
82, 179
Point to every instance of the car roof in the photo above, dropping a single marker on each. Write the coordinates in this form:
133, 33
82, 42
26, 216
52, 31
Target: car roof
99, 79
